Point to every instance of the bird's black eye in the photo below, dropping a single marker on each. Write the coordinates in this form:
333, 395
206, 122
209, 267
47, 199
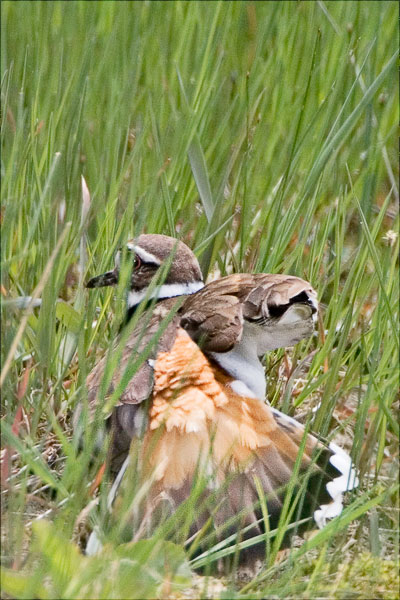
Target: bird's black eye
137, 263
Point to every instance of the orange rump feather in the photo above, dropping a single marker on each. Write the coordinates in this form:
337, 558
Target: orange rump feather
196, 416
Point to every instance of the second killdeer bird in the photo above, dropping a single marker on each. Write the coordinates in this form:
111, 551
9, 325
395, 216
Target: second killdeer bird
205, 384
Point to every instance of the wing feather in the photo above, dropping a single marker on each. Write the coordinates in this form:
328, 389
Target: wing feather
214, 316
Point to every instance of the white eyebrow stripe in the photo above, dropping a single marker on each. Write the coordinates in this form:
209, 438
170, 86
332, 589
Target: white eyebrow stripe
143, 254
146, 256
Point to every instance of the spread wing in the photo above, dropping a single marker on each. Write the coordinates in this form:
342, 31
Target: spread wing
214, 316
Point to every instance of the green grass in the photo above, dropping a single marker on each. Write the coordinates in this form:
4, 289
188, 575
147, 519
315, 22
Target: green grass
263, 135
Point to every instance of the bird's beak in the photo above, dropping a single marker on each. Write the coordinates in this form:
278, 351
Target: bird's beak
109, 278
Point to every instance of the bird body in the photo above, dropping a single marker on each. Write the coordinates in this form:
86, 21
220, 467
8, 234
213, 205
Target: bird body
198, 399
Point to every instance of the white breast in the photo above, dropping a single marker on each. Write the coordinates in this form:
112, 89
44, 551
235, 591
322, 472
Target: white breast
243, 362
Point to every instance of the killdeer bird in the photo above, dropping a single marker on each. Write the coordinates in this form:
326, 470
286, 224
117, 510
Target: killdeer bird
205, 386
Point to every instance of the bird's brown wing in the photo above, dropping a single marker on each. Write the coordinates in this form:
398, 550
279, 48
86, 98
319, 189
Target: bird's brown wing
271, 295
155, 336
127, 417
213, 321
214, 316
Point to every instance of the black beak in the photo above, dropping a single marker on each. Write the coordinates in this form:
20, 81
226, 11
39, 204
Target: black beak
109, 278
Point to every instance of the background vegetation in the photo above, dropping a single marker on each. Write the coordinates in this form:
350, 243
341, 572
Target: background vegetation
263, 135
